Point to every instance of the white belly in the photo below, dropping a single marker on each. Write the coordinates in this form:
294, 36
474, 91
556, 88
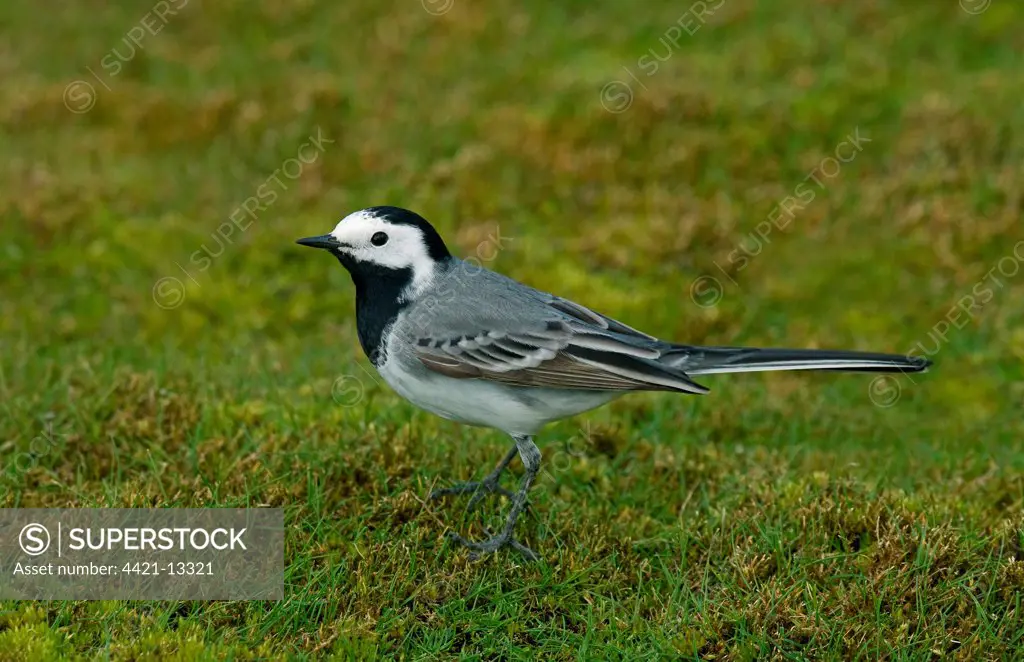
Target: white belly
515, 410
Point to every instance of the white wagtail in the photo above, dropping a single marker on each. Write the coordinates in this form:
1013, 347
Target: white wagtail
474, 346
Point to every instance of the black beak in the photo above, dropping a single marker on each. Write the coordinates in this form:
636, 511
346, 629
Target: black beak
323, 241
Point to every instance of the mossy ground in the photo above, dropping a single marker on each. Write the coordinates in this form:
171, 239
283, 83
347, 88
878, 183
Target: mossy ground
781, 516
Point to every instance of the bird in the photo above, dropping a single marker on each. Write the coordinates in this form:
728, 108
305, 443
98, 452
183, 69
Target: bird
474, 346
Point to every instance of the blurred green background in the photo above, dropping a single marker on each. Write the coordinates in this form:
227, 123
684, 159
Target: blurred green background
632, 156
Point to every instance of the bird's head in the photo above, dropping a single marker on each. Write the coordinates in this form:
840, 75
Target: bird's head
385, 243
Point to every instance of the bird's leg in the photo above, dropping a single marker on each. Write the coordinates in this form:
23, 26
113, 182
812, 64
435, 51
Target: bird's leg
530, 454
479, 489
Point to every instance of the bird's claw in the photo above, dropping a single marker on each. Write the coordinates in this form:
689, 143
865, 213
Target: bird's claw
493, 544
479, 490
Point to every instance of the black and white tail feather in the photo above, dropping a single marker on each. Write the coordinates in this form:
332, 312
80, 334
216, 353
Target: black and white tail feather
715, 360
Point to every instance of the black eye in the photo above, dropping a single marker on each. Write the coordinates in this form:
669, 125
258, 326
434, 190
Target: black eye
379, 239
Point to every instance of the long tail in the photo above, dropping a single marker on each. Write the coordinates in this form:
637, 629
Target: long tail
695, 360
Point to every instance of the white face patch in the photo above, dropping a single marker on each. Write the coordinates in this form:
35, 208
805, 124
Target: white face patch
405, 247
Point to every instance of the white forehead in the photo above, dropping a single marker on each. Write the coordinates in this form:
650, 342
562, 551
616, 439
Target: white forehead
359, 225
356, 229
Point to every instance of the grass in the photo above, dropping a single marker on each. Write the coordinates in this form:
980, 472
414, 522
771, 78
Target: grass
782, 516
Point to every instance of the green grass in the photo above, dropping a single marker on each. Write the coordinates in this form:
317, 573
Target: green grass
780, 517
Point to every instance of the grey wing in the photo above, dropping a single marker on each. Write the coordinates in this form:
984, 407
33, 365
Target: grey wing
528, 338
584, 314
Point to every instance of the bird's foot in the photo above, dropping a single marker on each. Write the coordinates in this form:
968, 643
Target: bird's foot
479, 489
489, 485
493, 544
